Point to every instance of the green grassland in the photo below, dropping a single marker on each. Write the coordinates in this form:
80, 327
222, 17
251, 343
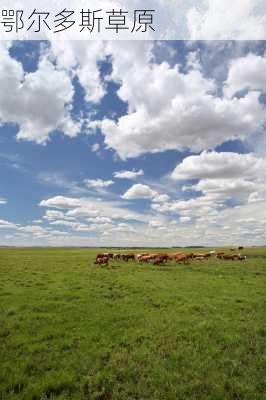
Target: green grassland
72, 330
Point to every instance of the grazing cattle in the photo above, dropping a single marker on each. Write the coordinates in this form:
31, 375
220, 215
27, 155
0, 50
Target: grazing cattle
242, 258
207, 255
220, 254
164, 257
148, 258
138, 256
108, 255
240, 248
173, 255
182, 258
230, 257
142, 259
101, 260
159, 261
201, 255
127, 257
117, 256
190, 256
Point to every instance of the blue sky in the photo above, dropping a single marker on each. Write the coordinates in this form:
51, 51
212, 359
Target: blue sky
132, 143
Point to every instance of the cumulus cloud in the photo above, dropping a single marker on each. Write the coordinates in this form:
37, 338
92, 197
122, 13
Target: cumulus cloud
2, 201
42, 99
128, 174
61, 202
81, 58
7, 225
98, 183
92, 208
221, 177
95, 147
172, 110
214, 165
246, 73
139, 191
227, 188
211, 19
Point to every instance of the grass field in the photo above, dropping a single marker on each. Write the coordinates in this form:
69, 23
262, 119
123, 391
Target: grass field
72, 330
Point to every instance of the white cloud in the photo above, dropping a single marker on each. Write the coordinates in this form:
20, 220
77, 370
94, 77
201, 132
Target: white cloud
227, 188
61, 202
98, 183
216, 20
185, 219
95, 147
128, 174
91, 208
2, 201
42, 99
213, 165
139, 191
161, 198
81, 59
246, 73
100, 220
258, 195
7, 225
169, 109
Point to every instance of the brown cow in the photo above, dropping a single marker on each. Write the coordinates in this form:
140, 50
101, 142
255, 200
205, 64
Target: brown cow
190, 255
230, 257
101, 261
158, 261
181, 258
148, 258
127, 257
220, 254
173, 255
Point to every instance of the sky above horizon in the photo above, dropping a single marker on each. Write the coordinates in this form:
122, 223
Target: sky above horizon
132, 143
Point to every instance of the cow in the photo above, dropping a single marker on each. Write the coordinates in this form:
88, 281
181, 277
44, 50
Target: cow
108, 255
207, 255
148, 258
230, 257
101, 260
181, 258
220, 254
163, 256
190, 256
242, 258
159, 260
127, 257
117, 257
173, 255
202, 256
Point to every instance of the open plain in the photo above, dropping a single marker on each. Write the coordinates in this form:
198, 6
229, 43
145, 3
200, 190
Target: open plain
70, 329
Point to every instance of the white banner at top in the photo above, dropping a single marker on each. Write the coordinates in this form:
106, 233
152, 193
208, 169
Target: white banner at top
133, 20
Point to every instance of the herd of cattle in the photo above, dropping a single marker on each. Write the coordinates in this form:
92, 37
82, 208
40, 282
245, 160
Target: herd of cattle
162, 258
